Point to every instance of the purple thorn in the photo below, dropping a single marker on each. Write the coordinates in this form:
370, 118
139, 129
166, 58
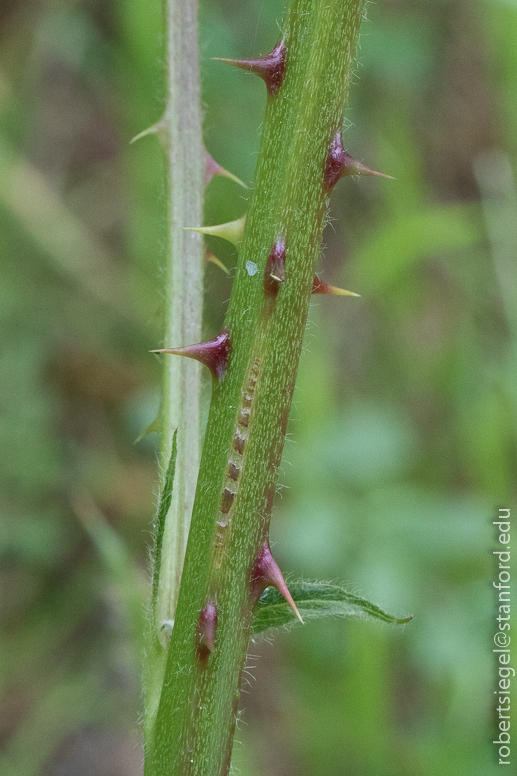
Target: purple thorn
214, 353
339, 163
270, 68
266, 572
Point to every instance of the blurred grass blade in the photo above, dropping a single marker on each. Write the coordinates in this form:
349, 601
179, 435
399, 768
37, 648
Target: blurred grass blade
74, 252
120, 568
315, 600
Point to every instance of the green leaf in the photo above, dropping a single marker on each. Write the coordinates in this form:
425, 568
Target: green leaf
314, 600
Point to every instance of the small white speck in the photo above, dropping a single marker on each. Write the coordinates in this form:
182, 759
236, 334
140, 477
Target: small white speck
251, 268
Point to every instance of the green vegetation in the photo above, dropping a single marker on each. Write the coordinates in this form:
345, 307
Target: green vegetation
404, 413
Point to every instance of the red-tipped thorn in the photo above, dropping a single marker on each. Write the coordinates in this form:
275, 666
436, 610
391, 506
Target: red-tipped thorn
274, 273
207, 626
270, 68
340, 163
319, 287
213, 168
266, 572
213, 354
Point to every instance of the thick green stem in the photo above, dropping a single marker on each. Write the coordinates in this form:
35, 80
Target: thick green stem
180, 132
224, 568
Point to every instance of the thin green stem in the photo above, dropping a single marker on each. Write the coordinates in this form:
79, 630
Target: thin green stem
222, 576
180, 132
183, 286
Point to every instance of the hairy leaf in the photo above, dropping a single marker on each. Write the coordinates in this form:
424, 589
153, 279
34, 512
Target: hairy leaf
314, 600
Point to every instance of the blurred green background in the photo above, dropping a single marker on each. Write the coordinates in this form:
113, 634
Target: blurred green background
405, 418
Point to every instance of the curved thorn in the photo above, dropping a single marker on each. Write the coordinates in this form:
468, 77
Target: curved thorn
159, 129
214, 260
266, 572
270, 68
231, 231
214, 353
214, 168
155, 426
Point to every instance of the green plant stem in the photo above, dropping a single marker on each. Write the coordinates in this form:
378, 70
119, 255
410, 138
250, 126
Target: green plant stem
194, 726
183, 288
180, 132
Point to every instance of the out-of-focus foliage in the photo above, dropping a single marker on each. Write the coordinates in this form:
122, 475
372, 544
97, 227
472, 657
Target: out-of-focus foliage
405, 416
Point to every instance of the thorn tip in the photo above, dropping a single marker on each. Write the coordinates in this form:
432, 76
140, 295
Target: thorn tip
214, 168
159, 129
232, 231
209, 257
339, 163
270, 68
319, 287
266, 572
214, 353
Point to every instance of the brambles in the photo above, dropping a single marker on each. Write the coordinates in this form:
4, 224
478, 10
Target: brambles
254, 360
